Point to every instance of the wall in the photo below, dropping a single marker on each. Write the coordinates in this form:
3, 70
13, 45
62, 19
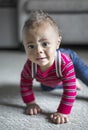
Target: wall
8, 25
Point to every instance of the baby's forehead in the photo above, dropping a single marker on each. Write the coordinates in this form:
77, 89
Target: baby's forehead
40, 27
40, 23
33, 25
43, 24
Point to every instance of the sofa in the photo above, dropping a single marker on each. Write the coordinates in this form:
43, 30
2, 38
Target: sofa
70, 15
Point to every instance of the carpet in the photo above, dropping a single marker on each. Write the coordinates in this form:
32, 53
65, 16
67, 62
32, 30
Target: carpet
12, 116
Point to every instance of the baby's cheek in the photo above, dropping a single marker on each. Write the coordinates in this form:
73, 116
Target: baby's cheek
52, 51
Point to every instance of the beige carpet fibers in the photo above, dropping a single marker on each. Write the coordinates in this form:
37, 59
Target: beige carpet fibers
12, 115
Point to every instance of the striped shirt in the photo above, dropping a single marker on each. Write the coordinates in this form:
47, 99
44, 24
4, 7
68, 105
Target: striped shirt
50, 78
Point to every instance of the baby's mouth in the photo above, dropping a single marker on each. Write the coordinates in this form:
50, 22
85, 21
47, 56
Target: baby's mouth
41, 58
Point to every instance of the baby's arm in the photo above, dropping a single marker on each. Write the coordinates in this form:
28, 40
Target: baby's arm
59, 118
27, 91
33, 108
68, 96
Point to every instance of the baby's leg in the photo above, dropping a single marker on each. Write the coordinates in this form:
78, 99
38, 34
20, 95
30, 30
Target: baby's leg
47, 88
78, 85
80, 67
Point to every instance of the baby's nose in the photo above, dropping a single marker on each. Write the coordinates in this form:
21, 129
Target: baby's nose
39, 49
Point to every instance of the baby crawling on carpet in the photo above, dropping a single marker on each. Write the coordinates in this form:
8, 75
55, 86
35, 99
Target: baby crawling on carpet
50, 65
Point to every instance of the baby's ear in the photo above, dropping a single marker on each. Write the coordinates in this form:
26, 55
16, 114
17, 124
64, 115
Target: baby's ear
59, 41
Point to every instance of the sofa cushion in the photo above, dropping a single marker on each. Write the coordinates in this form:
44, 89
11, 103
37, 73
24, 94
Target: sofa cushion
73, 27
57, 5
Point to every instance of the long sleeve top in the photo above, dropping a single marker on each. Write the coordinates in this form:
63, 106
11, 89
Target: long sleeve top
50, 78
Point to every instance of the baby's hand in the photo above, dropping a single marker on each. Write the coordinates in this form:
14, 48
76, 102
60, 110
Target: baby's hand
33, 109
59, 118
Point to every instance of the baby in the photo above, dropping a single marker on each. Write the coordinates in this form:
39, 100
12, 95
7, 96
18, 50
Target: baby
49, 65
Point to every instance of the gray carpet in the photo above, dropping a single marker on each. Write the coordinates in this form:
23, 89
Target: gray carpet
12, 116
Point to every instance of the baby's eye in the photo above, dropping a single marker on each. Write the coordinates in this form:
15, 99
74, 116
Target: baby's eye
31, 46
45, 44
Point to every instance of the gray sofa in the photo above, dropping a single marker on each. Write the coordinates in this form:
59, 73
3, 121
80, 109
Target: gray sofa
70, 15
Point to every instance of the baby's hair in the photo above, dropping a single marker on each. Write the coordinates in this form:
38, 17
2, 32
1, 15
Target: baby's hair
37, 17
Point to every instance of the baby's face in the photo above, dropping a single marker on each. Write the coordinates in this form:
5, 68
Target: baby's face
41, 43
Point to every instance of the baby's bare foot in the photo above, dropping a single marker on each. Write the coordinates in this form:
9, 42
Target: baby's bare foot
79, 87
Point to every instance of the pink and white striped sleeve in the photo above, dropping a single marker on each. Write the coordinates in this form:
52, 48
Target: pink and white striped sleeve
26, 91
69, 86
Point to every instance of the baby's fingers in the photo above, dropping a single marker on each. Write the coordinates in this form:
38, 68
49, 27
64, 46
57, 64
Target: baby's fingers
36, 111
29, 111
58, 119
55, 119
33, 110
62, 120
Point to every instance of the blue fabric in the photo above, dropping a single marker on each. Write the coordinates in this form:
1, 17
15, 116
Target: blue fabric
47, 88
81, 68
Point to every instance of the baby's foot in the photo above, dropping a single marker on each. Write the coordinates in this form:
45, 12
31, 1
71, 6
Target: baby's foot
79, 87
